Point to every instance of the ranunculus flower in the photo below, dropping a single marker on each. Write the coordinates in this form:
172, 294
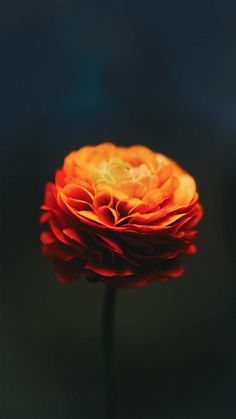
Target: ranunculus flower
122, 215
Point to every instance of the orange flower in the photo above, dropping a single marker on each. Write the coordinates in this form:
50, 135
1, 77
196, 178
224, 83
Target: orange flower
122, 215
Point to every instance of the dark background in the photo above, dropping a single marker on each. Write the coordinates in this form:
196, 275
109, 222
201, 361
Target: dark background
157, 73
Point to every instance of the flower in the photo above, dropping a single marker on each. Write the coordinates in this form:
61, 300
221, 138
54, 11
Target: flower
122, 215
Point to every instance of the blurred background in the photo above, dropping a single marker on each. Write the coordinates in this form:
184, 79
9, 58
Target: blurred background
160, 74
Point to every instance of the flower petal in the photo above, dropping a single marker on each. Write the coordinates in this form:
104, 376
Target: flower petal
47, 237
107, 215
132, 188
103, 198
77, 192
107, 271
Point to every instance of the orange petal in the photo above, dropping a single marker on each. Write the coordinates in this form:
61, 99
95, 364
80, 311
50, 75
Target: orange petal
125, 207
107, 215
170, 186
77, 192
116, 193
147, 218
79, 205
132, 188
150, 182
170, 219
103, 198
138, 154
119, 172
185, 191
80, 156
153, 197
90, 215
164, 173
103, 151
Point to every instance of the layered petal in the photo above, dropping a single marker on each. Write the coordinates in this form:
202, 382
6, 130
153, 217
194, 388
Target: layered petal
121, 215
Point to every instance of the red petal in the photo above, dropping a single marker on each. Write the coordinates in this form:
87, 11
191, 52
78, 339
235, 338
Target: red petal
112, 244
109, 271
57, 252
69, 271
47, 237
73, 235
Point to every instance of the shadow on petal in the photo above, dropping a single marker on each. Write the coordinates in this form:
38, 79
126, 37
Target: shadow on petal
162, 272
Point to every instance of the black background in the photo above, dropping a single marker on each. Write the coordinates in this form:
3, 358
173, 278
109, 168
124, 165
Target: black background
160, 74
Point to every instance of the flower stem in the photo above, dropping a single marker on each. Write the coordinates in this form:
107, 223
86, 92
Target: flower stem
107, 336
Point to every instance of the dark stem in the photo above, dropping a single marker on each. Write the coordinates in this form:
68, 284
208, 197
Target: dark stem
107, 336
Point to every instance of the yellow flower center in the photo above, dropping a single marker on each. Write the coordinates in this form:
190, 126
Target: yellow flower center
134, 181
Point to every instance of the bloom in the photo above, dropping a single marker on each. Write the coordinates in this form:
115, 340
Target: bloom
122, 215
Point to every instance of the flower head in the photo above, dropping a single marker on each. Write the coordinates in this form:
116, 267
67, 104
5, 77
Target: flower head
122, 215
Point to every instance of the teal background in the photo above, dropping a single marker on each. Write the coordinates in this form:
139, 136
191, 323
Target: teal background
155, 73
